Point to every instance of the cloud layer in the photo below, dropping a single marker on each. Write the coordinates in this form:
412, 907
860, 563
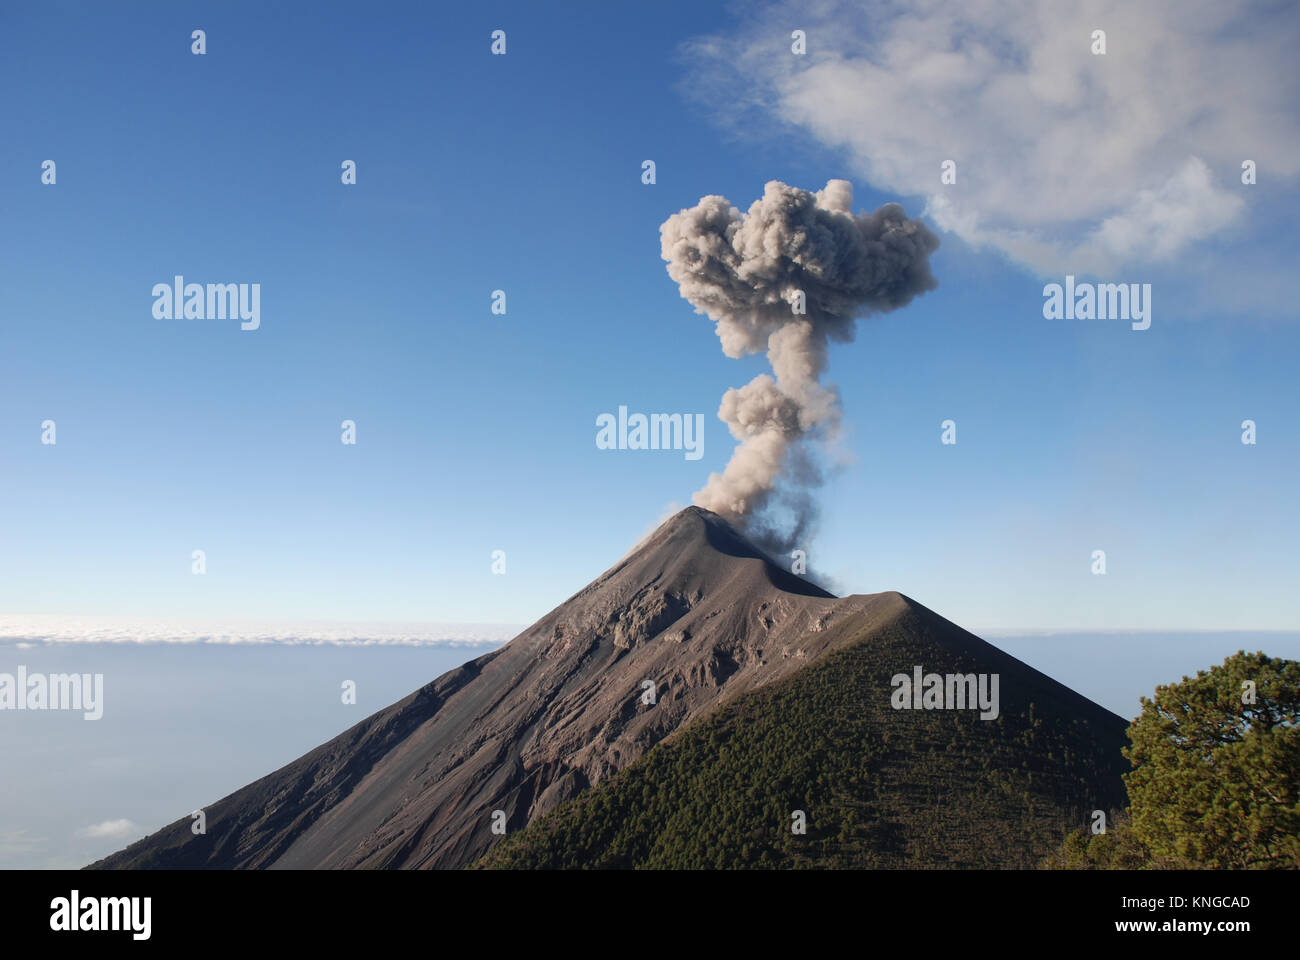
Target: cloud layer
111, 829
31, 629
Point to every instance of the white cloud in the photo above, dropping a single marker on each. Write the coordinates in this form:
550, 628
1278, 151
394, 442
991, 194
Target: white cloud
1065, 160
110, 829
16, 842
26, 630
1160, 222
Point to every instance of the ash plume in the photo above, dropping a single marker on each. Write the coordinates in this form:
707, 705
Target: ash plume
749, 272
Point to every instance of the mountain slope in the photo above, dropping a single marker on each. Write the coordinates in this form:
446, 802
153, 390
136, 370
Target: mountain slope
878, 786
695, 608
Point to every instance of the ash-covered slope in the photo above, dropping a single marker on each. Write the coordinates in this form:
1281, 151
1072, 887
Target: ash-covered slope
695, 608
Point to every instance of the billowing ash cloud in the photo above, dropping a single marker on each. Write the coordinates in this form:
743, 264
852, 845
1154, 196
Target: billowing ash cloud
749, 272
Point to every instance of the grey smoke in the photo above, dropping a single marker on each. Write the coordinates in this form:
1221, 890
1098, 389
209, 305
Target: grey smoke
745, 272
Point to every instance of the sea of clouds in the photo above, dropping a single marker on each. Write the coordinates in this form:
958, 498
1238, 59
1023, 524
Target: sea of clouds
27, 630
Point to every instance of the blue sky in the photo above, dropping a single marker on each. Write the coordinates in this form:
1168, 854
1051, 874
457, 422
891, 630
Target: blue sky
523, 173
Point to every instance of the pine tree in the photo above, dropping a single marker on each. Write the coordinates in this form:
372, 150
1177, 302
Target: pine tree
1216, 767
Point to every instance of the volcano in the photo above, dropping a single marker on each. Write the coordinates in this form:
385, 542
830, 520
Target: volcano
695, 631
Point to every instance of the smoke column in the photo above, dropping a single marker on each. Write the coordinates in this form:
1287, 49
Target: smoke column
749, 272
